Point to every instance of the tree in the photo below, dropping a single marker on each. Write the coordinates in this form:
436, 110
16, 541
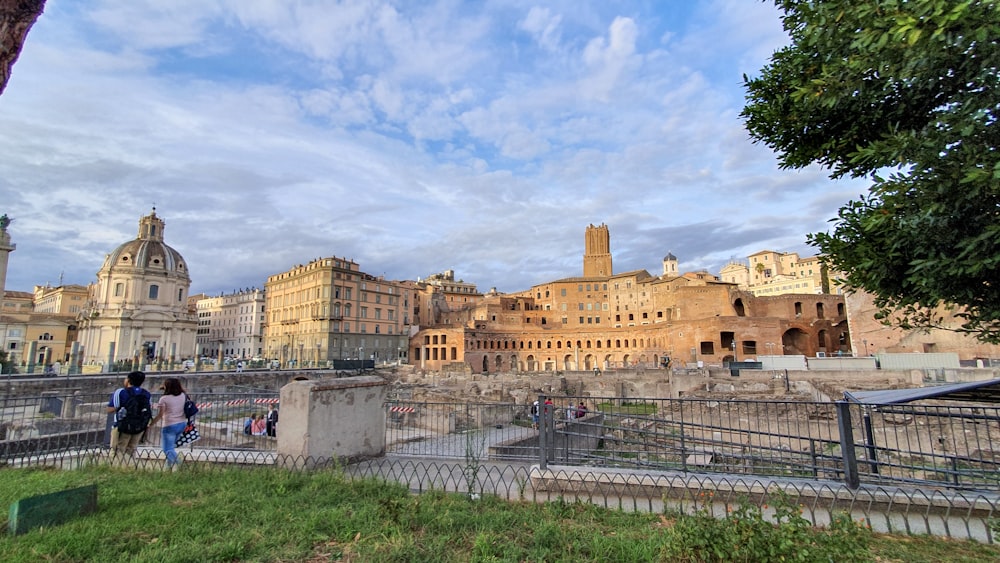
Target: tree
16, 19
906, 93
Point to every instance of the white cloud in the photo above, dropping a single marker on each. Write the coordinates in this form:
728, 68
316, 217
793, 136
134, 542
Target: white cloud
411, 137
609, 58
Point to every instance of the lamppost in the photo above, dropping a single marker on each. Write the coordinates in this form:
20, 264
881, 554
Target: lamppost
770, 348
865, 342
734, 351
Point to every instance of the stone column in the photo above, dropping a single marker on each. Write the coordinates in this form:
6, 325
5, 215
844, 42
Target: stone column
336, 419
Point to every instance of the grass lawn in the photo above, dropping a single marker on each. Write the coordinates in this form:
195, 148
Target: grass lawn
267, 514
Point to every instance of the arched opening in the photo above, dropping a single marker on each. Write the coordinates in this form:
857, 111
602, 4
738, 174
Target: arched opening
740, 310
795, 341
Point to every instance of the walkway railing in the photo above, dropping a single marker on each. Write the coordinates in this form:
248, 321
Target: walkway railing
936, 446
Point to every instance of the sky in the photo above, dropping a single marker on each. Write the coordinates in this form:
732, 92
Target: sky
410, 137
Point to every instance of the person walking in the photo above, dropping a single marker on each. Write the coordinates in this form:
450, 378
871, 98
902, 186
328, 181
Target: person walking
131, 407
170, 409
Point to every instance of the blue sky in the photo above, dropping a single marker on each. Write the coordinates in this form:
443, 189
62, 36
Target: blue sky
412, 137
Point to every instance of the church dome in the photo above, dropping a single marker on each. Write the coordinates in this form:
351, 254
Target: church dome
147, 251
670, 256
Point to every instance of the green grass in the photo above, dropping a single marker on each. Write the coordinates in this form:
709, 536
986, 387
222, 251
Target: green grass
626, 408
267, 514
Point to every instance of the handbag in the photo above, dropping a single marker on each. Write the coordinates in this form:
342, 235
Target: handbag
190, 408
189, 435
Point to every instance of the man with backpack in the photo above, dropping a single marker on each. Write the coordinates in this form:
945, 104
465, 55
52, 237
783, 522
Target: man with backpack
132, 408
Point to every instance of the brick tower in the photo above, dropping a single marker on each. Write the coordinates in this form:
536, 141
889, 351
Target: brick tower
597, 252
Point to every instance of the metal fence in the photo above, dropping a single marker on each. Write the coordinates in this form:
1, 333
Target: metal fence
635, 454
65, 422
941, 446
934, 445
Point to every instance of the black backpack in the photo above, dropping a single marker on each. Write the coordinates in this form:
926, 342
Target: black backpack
135, 413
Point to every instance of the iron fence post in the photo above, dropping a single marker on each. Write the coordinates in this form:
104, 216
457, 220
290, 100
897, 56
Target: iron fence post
543, 461
848, 457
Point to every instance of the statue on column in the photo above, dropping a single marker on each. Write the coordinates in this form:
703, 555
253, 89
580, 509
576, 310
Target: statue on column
4, 221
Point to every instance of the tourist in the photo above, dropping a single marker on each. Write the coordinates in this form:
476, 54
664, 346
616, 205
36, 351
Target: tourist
272, 421
131, 407
170, 408
259, 426
534, 415
581, 410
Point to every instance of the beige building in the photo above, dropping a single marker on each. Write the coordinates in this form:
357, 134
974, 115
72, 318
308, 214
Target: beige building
439, 296
66, 300
628, 320
34, 334
137, 311
870, 337
329, 310
231, 325
781, 273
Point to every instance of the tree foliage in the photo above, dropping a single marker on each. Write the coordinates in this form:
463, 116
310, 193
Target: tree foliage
16, 18
906, 93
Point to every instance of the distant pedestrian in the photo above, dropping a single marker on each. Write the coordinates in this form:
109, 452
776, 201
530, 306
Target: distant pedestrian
259, 426
272, 421
239, 366
581, 410
534, 415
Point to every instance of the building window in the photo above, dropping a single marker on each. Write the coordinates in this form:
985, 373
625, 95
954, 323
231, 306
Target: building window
119, 289
154, 291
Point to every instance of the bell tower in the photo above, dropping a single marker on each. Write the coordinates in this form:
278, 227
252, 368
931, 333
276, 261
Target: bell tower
597, 252
6, 247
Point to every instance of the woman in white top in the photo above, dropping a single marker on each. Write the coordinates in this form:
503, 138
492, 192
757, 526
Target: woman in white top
170, 408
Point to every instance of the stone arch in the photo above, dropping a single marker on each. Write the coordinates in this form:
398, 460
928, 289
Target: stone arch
739, 308
530, 362
588, 362
795, 341
498, 362
568, 362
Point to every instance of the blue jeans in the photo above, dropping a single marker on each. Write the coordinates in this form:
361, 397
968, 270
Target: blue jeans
168, 436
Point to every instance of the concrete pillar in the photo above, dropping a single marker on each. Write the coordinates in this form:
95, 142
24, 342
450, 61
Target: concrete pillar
32, 352
111, 358
74, 359
334, 419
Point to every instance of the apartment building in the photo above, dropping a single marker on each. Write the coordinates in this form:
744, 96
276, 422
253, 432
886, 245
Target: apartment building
328, 309
231, 325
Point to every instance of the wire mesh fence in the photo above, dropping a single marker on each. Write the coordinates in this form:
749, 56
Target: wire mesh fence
923, 469
66, 422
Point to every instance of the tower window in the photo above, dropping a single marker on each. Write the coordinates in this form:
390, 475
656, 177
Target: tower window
154, 291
